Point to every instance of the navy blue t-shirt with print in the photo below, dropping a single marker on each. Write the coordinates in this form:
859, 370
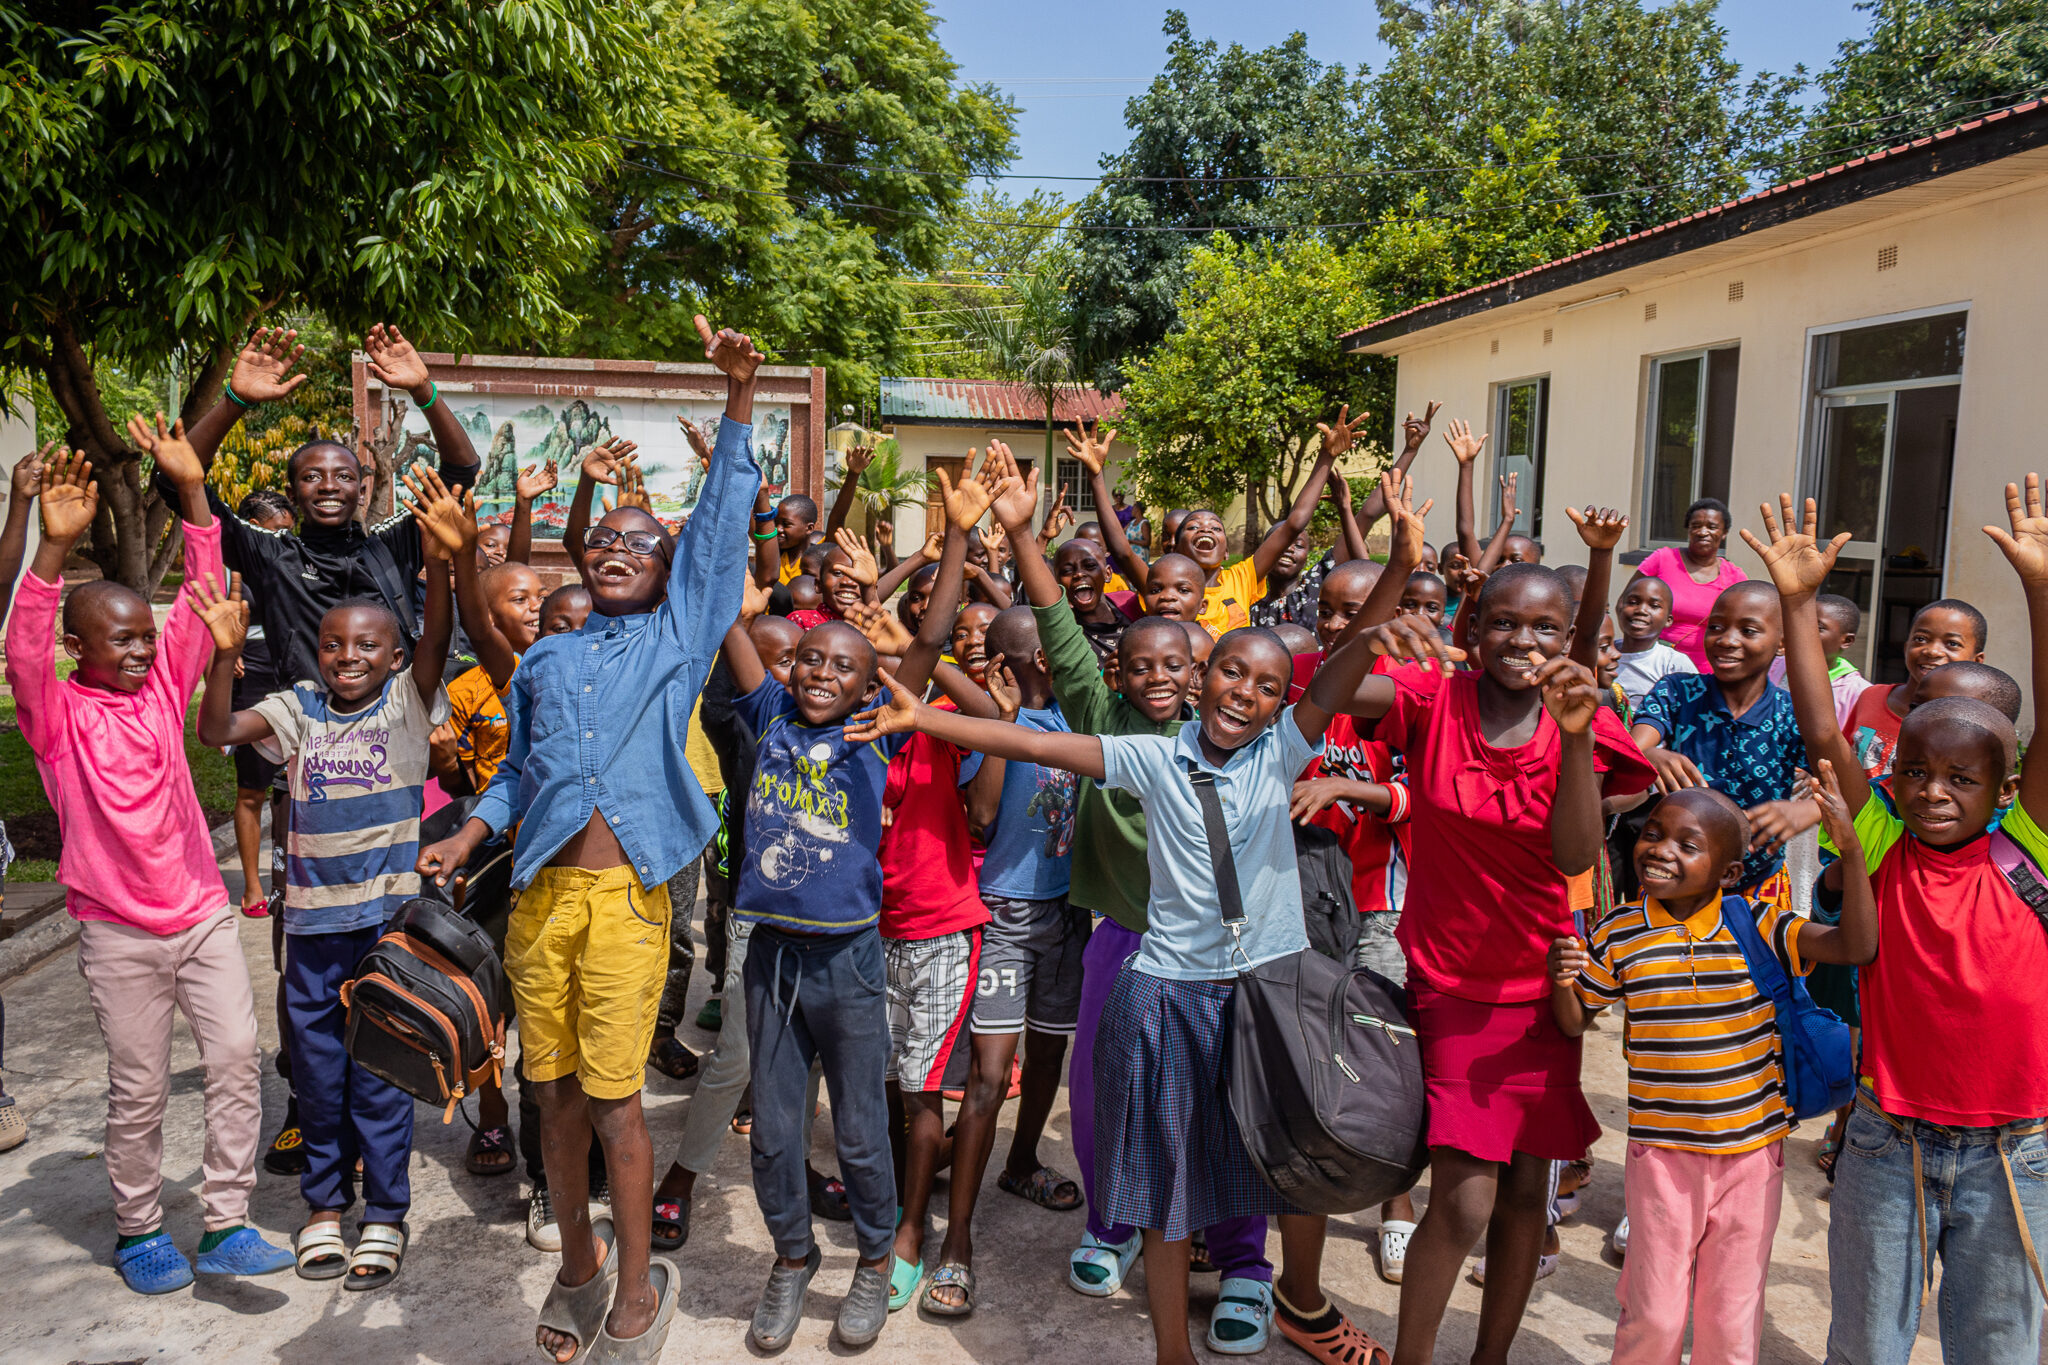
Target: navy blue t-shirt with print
813, 822
1030, 850
1749, 758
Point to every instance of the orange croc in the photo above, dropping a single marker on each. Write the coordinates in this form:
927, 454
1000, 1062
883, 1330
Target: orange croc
1343, 1344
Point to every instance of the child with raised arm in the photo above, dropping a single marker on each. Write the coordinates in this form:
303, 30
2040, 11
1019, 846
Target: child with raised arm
355, 750
156, 928
1707, 1100
596, 778
1941, 1153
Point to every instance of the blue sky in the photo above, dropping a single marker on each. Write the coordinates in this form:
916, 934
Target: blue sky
1071, 64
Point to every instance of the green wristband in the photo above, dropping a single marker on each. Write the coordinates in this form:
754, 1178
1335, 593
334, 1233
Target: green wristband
433, 395
227, 386
765, 535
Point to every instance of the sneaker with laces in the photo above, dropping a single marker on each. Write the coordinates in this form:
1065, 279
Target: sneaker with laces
781, 1308
543, 1233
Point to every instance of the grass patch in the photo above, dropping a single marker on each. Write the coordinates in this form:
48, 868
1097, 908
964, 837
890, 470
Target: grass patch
24, 870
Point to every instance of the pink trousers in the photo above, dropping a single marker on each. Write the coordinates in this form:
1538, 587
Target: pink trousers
134, 977
1700, 1227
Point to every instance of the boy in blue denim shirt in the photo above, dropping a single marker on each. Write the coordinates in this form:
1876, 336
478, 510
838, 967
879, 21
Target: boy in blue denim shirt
608, 810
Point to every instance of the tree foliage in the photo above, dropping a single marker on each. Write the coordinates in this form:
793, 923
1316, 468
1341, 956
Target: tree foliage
994, 240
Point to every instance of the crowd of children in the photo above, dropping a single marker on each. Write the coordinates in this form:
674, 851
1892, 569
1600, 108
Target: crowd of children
953, 817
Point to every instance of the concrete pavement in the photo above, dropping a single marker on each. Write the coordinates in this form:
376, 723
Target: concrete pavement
471, 1286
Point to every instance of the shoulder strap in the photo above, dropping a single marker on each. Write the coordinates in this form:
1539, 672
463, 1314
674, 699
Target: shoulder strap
1764, 968
2020, 874
1221, 861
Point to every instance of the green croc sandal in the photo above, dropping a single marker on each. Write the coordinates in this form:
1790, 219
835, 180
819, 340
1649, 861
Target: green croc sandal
904, 1278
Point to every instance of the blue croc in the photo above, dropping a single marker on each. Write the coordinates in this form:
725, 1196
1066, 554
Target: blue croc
1242, 1321
1097, 1268
244, 1252
155, 1266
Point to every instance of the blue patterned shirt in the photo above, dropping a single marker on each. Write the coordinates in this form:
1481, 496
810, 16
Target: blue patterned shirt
1748, 758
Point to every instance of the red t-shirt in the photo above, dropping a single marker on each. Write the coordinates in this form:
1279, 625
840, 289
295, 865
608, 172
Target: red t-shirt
1484, 896
1873, 732
1379, 871
928, 882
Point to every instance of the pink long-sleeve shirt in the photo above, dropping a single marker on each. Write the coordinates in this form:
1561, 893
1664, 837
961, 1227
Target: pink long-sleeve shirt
136, 847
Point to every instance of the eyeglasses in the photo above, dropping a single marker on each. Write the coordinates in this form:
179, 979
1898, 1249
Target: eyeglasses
645, 544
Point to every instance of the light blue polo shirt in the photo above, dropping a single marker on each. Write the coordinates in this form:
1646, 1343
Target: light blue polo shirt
1185, 939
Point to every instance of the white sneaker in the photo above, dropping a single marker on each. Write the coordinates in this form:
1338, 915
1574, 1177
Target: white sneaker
543, 1233
1394, 1235
1621, 1238
1546, 1266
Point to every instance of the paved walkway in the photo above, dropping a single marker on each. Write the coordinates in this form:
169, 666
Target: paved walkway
472, 1287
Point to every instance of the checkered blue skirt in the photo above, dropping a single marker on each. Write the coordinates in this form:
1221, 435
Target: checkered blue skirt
1168, 1154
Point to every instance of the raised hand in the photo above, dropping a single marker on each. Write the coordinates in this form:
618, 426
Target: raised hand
1338, 439
733, 352
226, 618
1508, 484
1797, 562
858, 459
1458, 436
863, 567
1019, 495
696, 439
263, 371
934, 544
1415, 430
1085, 446
447, 522
1413, 639
1834, 812
895, 713
1463, 579
174, 454
1058, 519
1570, 694
27, 479
996, 540
534, 480
601, 462
1337, 490
976, 492
753, 600
1599, 527
2026, 545
394, 360
884, 532
884, 631
1408, 544
1001, 687
633, 487
70, 497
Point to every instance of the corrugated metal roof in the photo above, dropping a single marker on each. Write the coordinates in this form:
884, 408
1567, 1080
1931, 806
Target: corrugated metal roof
1743, 204
989, 402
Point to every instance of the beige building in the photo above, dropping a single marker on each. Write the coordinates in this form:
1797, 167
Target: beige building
1809, 338
937, 421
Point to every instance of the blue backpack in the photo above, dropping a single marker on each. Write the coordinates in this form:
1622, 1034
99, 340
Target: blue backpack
1815, 1051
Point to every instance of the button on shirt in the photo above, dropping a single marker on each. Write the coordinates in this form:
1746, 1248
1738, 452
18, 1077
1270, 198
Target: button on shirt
600, 718
1185, 938
1748, 758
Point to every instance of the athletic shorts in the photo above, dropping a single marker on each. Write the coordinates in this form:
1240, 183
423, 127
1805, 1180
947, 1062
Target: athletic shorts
254, 772
1030, 966
931, 989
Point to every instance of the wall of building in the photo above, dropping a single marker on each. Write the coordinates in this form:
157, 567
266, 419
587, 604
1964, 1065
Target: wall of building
1981, 253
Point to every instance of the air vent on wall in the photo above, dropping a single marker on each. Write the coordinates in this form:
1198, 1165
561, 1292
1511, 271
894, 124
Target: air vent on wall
1887, 257
1735, 291
1546, 336
1496, 347
1649, 312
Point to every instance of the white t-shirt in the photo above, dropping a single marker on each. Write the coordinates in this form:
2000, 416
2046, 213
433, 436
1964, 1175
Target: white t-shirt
1638, 672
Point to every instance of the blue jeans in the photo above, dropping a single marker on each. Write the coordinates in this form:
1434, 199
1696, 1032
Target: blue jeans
1991, 1298
344, 1111
820, 997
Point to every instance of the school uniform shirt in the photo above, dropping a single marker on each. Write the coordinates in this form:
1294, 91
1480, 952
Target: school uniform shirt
1701, 1040
1228, 604
1485, 898
1843, 680
600, 717
478, 710
1640, 671
928, 884
1030, 850
1955, 1022
1748, 758
1873, 731
357, 781
1379, 866
1107, 873
814, 820
1185, 937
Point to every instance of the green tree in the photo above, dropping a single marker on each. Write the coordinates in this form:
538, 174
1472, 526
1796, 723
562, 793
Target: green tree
1923, 66
176, 171
993, 240
830, 168
1029, 339
1204, 127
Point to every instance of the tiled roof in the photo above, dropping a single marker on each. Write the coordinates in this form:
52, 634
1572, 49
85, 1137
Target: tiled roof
989, 402
2031, 111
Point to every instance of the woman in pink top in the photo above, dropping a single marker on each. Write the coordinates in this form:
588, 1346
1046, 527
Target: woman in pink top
1696, 575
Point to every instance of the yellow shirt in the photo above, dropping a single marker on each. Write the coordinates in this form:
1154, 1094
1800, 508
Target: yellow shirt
479, 715
793, 566
703, 759
1116, 583
1228, 605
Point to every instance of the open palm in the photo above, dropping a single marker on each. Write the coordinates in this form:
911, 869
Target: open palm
226, 617
393, 359
1085, 446
70, 498
1798, 563
2026, 545
263, 371
169, 448
1016, 497
535, 480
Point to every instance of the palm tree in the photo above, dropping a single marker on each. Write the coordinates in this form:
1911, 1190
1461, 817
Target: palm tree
885, 485
1028, 336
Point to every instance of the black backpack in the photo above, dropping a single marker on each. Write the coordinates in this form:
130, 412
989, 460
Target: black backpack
427, 1005
1327, 908
1323, 1072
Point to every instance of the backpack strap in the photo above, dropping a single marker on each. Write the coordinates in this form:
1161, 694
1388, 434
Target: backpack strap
1229, 893
1764, 968
2020, 874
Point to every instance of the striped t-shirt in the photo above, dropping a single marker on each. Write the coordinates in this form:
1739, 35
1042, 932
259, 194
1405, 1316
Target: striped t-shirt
1701, 1040
358, 779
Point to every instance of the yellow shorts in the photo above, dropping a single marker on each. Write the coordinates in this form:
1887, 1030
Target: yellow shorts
587, 956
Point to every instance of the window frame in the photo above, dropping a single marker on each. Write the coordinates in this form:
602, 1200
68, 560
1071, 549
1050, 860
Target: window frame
1530, 498
1645, 456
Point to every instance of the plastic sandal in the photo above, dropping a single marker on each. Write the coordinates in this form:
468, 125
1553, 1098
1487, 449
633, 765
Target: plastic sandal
380, 1248
1242, 1321
743, 1121
155, 1266
904, 1278
1394, 1235
1043, 1187
951, 1275
1830, 1148
671, 1213
485, 1141
287, 1154
673, 1060
244, 1252
1097, 1268
13, 1126
1344, 1344
828, 1197
579, 1310
1546, 1266
668, 1291
322, 1254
